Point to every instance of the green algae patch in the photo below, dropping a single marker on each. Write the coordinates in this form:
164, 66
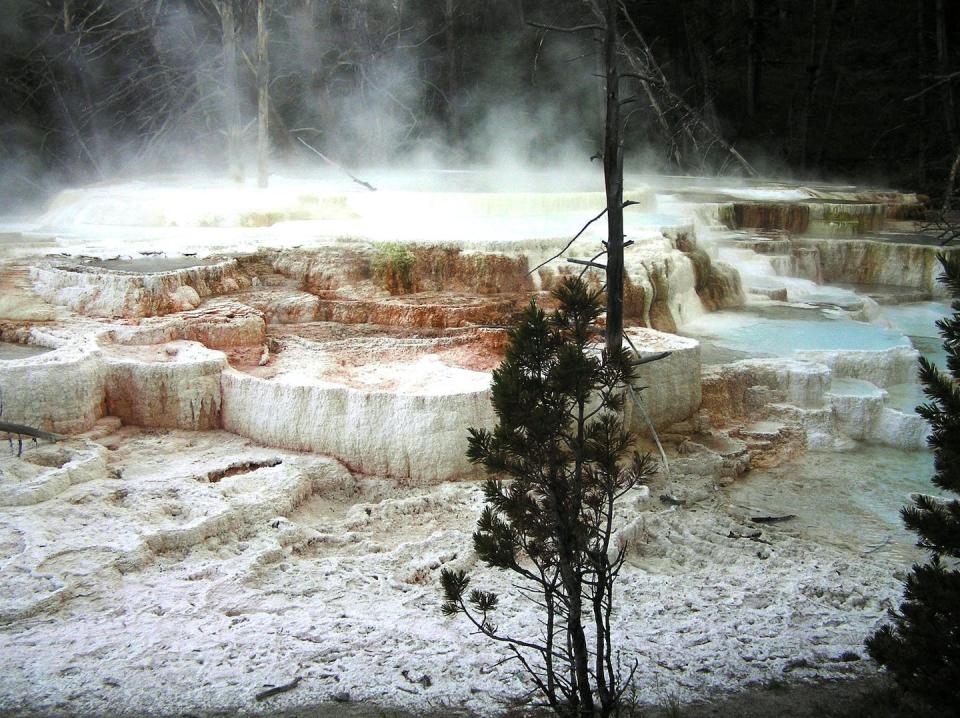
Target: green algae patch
393, 266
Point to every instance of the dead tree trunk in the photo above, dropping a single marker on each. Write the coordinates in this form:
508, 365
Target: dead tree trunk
943, 63
815, 66
450, 40
613, 181
754, 57
951, 182
231, 94
922, 129
263, 95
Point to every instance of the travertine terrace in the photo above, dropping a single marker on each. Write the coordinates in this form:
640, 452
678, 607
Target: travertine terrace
265, 398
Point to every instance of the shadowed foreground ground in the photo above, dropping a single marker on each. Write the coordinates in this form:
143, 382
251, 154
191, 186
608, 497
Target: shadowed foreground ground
866, 697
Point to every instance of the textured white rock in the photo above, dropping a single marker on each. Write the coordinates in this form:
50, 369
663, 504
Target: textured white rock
219, 324
420, 438
120, 589
856, 409
865, 417
42, 473
174, 385
60, 391
864, 262
283, 306
883, 368
100, 293
725, 387
676, 279
673, 384
900, 430
667, 278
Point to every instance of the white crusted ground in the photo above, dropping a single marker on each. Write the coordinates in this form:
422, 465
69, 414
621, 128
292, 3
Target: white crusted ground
152, 589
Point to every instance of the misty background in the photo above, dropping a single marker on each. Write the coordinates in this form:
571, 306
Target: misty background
860, 90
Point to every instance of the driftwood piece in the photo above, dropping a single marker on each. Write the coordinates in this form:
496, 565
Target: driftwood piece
270, 692
751, 536
8, 427
772, 519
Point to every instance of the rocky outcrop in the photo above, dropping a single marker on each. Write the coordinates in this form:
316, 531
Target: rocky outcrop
672, 384
174, 385
65, 391
859, 261
818, 217
859, 413
743, 388
61, 391
882, 368
794, 218
219, 324
48, 471
834, 398
100, 293
416, 438
671, 280
716, 283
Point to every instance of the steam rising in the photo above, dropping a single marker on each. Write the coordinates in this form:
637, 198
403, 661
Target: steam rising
129, 88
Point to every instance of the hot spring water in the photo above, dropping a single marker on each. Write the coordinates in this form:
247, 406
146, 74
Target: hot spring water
851, 498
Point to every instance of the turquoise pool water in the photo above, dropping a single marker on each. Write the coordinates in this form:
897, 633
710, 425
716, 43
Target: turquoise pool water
748, 332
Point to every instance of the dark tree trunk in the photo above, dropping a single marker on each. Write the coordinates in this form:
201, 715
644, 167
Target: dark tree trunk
943, 65
922, 124
613, 181
754, 57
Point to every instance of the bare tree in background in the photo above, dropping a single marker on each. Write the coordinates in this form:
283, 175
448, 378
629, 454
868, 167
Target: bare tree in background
263, 96
231, 90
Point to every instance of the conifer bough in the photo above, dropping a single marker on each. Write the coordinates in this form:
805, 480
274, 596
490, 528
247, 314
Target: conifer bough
921, 647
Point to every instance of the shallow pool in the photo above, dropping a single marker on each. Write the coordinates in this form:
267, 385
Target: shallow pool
746, 331
918, 321
10, 351
851, 499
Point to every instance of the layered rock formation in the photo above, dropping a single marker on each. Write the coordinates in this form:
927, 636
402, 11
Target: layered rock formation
286, 344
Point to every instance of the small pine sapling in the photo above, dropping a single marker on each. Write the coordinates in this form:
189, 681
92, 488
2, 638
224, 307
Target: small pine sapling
559, 460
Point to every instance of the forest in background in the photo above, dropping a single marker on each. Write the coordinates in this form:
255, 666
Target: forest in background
858, 90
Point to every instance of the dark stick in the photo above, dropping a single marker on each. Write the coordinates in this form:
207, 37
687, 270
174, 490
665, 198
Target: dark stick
270, 692
772, 519
569, 244
628, 203
334, 164
11, 428
587, 263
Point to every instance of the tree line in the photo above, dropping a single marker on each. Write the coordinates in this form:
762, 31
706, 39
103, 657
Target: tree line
827, 88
